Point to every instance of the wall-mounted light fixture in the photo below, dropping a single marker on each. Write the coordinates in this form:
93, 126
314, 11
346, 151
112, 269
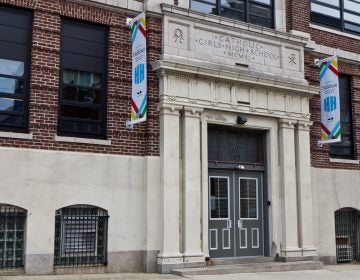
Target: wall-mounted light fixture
241, 119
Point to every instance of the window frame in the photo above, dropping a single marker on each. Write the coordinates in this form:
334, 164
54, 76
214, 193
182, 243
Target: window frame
329, 21
333, 146
104, 81
25, 98
247, 3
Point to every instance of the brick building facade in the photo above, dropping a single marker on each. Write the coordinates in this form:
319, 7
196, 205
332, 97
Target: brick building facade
227, 164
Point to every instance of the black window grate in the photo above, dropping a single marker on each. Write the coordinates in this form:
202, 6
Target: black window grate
347, 223
81, 236
12, 232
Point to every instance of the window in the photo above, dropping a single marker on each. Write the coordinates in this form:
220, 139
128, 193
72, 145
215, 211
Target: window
219, 197
81, 236
259, 12
345, 148
82, 98
341, 14
15, 41
12, 228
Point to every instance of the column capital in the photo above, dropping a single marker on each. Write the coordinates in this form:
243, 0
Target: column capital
169, 109
304, 125
287, 123
192, 111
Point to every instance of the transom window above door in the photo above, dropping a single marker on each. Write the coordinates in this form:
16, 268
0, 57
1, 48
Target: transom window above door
259, 12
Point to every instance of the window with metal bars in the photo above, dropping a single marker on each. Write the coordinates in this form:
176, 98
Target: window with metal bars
82, 97
259, 12
341, 14
347, 234
12, 236
81, 236
15, 42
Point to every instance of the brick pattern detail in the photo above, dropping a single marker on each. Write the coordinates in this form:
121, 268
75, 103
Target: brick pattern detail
44, 82
297, 16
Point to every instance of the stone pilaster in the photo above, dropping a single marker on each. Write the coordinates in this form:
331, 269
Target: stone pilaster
289, 245
191, 148
304, 191
170, 256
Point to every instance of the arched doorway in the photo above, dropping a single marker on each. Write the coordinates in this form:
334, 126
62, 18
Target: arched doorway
347, 234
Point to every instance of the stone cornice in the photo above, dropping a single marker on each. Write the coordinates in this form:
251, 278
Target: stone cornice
231, 75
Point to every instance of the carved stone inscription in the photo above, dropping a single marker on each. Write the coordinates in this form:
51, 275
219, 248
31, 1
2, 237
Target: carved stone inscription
239, 49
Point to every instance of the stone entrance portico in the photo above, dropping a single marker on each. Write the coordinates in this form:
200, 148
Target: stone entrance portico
209, 75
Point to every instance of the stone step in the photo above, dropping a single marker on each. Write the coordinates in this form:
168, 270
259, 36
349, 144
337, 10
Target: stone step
245, 260
249, 268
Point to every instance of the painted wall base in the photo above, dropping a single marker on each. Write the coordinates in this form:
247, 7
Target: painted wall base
38, 264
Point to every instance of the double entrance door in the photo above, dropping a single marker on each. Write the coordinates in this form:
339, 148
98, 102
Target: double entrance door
236, 215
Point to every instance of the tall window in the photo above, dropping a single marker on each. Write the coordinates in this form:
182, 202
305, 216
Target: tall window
341, 14
345, 148
259, 12
81, 236
82, 98
12, 232
15, 41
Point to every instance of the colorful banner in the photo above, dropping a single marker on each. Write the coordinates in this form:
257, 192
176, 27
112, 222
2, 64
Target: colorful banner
330, 100
139, 71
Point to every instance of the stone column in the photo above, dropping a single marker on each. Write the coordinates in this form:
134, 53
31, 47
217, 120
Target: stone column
304, 191
169, 256
289, 245
191, 148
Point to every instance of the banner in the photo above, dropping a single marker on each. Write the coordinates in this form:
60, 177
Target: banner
330, 101
139, 71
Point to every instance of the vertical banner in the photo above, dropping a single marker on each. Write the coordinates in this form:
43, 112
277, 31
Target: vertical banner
139, 71
330, 100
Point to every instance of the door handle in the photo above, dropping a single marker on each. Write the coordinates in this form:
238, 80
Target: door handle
228, 223
239, 223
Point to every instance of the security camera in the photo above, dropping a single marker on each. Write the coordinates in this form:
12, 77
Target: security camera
241, 119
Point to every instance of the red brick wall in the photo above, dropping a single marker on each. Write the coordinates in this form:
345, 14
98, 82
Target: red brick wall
44, 81
298, 18
320, 155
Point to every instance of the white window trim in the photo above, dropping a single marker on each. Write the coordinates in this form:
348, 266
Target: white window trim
340, 160
228, 187
82, 140
16, 135
257, 196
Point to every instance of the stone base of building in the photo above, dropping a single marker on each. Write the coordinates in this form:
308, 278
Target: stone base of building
166, 263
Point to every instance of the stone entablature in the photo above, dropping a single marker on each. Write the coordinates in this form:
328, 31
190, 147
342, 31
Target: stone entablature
225, 42
245, 95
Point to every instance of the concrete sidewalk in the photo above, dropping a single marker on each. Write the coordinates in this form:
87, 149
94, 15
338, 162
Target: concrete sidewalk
335, 272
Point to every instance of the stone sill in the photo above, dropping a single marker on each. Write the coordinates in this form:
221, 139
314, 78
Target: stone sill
82, 140
16, 135
340, 160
